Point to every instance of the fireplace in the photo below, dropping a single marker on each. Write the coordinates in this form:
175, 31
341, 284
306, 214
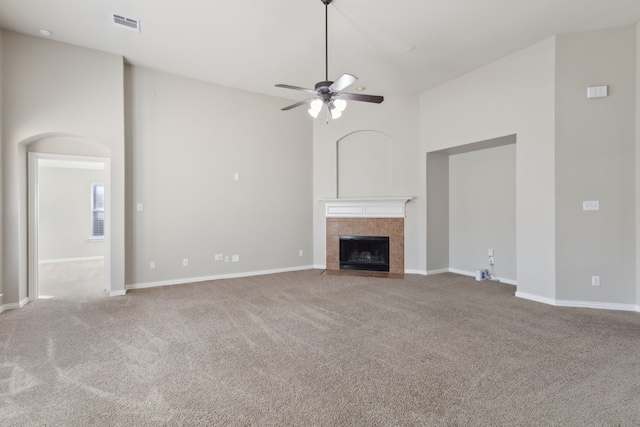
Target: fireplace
368, 253
366, 218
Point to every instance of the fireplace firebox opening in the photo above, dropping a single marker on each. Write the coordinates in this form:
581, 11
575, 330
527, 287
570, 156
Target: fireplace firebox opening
368, 253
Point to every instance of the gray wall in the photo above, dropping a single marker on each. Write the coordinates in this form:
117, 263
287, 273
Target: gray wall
51, 91
64, 230
437, 232
397, 118
482, 210
637, 162
512, 96
569, 149
2, 240
183, 147
365, 165
186, 141
595, 154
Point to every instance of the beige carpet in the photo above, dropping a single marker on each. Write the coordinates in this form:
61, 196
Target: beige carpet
72, 279
307, 349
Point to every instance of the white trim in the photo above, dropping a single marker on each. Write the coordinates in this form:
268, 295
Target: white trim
14, 305
536, 298
391, 207
579, 304
53, 261
440, 271
70, 164
597, 305
473, 274
117, 293
33, 219
216, 277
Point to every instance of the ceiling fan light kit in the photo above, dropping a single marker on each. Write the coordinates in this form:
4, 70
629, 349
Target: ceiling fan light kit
330, 93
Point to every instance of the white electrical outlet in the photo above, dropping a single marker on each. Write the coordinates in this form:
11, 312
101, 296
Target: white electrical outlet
139, 207
490, 260
300, 252
185, 262
490, 252
595, 280
235, 258
152, 265
219, 257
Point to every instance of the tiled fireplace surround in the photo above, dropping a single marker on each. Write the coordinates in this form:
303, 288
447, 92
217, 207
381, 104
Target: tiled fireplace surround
366, 218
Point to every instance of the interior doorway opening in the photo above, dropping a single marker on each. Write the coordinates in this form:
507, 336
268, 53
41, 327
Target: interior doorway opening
69, 220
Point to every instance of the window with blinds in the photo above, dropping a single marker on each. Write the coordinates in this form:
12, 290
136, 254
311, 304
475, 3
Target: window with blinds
97, 210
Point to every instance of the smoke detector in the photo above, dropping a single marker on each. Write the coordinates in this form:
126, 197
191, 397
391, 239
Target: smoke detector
127, 23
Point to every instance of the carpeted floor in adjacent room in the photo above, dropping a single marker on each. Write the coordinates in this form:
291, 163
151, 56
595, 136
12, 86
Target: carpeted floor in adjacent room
306, 348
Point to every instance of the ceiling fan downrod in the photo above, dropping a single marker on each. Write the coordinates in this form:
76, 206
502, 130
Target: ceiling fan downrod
330, 93
326, 38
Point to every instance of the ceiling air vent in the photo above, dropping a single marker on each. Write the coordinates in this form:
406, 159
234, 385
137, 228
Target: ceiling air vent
128, 23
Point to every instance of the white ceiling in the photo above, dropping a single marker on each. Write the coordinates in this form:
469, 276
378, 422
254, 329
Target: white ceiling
254, 44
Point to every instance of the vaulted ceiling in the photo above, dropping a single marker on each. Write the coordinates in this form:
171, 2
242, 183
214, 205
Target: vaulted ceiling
395, 47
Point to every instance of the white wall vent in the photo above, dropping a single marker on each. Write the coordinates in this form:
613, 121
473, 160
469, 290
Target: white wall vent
128, 23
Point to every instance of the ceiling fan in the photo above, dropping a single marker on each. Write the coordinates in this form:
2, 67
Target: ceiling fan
327, 92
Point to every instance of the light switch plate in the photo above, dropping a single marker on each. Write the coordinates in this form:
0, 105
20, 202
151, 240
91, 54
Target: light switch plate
591, 205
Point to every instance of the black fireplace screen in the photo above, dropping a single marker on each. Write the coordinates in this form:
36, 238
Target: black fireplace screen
369, 253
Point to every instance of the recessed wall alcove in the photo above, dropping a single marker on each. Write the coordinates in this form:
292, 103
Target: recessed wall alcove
471, 202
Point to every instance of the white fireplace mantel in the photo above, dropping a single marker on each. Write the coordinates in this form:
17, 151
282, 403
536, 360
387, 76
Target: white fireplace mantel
390, 207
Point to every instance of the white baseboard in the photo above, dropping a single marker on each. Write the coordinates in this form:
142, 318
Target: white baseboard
597, 305
440, 271
118, 293
536, 298
579, 304
14, 305
473, 274
216, 277
52, 261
